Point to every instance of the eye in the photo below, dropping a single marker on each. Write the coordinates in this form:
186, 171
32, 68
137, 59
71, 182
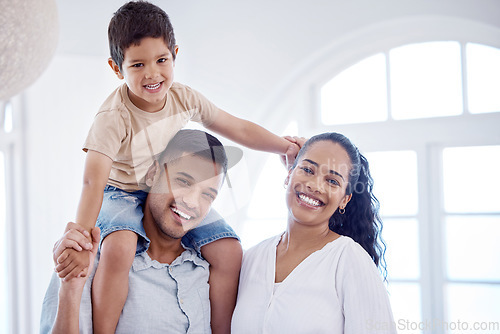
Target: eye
182, 182
333, 182
307, 170
161, 60
209, 196
137, 65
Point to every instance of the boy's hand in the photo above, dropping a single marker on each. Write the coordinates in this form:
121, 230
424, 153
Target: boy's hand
71, 253
288, 158
77, 283
74, 264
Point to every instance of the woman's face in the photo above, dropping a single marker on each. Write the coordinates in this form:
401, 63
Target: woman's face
316, 187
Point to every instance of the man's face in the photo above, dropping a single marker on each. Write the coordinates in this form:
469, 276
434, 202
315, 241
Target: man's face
183, 195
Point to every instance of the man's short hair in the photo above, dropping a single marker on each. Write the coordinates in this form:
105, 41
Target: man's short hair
134, 21
197, 143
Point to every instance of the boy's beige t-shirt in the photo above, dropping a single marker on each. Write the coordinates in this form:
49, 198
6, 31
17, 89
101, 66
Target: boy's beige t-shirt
132, 137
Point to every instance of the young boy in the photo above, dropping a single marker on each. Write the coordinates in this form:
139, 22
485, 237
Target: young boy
133, 125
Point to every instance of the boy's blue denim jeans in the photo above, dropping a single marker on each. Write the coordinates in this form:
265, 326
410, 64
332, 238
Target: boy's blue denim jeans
122, 210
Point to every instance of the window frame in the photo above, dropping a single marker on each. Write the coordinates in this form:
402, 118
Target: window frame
17, 232
440, 133
302, 92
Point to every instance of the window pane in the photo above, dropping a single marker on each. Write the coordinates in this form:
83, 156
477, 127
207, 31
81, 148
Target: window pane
401, 238
405, 302
473, 247
395, 181
7, 121
471, 179
356, 95
471, 303
426, 80
4, 314
483, 78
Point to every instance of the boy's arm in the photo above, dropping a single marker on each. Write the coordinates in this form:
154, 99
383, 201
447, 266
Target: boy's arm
95, 177
251, 135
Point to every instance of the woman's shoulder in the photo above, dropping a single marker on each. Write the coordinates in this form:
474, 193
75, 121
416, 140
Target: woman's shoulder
262, 246
355, 259
354, 250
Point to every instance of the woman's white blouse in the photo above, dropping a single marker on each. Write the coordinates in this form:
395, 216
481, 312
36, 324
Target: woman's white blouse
337, 289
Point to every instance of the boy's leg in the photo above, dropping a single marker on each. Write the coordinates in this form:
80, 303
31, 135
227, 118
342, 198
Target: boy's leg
224, 256
110, 284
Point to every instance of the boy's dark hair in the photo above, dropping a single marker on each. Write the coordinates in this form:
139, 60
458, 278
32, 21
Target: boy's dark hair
134, 21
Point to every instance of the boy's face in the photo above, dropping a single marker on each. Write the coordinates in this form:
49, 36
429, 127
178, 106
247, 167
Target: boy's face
148, 70
183, 195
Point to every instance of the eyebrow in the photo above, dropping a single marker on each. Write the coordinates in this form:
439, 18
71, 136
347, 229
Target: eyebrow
163, 55
317, 165
192, 178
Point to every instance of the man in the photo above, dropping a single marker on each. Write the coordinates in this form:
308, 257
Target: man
168, 284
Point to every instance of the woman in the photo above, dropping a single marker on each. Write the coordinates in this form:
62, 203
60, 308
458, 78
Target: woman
320, 275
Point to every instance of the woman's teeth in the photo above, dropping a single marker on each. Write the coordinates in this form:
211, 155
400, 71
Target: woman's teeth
181, 214
155, 86
310, 200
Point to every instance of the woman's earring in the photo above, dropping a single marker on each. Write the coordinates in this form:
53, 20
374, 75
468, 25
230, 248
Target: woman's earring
341, 211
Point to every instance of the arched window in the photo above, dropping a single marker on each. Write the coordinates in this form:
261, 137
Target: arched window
429, 187
426, 115
433, 79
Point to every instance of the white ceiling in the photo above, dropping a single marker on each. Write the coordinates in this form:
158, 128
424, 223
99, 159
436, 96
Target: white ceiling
239, 52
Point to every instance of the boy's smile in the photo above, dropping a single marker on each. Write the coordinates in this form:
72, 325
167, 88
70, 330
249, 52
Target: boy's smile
148, 70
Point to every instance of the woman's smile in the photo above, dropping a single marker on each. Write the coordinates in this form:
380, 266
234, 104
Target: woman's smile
308, 200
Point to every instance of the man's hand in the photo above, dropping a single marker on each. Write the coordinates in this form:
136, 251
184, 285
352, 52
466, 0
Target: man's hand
70, 292
72, 254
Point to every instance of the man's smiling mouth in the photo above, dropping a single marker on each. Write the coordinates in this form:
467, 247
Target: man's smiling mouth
180, 213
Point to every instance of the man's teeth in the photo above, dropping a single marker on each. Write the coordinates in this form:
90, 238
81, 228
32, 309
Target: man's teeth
155, 86
309, 200
180, 213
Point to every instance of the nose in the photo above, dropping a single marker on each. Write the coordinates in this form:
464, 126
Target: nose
190, 199
152, 71
314, 185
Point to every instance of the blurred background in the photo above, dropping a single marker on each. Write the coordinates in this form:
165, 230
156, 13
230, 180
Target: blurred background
415, 84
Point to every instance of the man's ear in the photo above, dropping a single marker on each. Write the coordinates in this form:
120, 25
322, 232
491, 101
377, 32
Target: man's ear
114, 66
153, 174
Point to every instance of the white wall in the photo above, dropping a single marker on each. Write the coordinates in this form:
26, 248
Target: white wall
60, 108
250, 58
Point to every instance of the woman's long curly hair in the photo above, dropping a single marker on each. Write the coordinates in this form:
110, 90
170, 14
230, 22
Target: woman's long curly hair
361, 220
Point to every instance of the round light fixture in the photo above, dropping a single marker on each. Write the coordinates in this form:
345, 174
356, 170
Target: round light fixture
28, 39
